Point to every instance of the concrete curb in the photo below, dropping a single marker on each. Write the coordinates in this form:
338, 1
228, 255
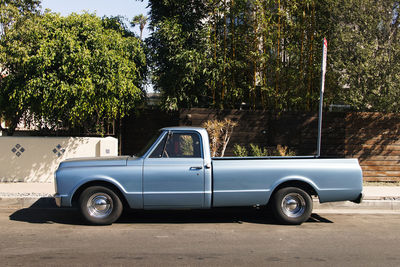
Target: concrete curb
367, 206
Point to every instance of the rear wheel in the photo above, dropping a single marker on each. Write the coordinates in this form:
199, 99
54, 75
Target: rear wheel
292, 205
100, 205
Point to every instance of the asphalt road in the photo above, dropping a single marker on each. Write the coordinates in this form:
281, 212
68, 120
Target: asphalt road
227, 237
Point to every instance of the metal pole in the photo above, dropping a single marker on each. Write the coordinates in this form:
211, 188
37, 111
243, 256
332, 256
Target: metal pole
321, 101
321, 96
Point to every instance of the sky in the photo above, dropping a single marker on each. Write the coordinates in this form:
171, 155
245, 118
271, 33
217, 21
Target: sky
125, 8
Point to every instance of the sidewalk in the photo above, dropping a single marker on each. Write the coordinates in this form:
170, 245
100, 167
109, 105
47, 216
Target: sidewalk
381, 192
377, 199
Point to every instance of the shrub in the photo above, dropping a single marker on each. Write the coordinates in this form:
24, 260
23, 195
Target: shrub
220, 133
257, 151
240, 151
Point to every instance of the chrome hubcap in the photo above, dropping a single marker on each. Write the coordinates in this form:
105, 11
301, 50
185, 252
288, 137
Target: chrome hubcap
100, 205
293, 205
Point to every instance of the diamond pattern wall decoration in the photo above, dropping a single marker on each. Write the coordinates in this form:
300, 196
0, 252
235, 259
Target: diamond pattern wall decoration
18, 150
58, 150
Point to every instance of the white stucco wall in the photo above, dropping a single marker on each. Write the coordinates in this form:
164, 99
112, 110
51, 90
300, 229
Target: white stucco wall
34, 159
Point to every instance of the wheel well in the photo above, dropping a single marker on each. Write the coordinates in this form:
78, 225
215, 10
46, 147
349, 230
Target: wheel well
78, 192
299, 184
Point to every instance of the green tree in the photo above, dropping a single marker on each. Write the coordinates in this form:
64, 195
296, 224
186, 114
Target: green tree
178, 52
235, 51
70, 71
140, 20
267, 53
364, 54
13, 10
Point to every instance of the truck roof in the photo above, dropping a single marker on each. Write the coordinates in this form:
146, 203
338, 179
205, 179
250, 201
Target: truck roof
183, 128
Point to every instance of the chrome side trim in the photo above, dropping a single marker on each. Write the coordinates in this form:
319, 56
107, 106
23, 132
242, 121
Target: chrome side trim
242, 191
177, 192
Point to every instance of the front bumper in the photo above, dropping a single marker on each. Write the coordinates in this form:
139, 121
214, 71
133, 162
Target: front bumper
58, 199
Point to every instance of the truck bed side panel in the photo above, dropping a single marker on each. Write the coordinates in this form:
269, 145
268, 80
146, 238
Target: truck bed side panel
251, 182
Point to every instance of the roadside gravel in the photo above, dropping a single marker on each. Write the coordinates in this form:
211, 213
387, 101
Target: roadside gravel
24, 195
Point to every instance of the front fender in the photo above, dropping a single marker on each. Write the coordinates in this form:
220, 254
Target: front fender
91, 179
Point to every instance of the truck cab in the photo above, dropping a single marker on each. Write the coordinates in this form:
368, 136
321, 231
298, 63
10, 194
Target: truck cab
177, 170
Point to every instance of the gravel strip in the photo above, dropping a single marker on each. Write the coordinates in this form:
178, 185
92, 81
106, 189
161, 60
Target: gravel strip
24, 195
391, 198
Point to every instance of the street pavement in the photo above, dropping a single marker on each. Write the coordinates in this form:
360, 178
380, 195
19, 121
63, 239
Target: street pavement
221, 237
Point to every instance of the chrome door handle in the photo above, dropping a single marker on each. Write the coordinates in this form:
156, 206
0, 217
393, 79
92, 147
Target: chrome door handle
196, 168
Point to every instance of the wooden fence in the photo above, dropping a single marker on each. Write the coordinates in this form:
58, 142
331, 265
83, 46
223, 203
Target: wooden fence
373, 138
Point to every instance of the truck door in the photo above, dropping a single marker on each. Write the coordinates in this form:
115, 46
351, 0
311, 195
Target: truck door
173, 173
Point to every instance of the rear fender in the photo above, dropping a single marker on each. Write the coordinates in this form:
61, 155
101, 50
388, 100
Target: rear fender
294, 179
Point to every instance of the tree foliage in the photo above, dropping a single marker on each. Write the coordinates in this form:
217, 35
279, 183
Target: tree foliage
177, 52
13, 10
267, 53
70, 70
365, 54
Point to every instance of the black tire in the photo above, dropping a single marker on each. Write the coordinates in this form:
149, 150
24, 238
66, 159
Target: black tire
292, 205
100, 205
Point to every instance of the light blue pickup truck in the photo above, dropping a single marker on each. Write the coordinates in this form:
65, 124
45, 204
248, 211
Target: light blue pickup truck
175, 171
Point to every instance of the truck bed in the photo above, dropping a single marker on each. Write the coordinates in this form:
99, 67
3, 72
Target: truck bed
251, 180
268, 157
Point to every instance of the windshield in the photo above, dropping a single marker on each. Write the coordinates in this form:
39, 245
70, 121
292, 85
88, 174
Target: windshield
149, 144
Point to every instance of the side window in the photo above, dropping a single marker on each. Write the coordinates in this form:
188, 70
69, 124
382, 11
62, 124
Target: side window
182, 145
157, 153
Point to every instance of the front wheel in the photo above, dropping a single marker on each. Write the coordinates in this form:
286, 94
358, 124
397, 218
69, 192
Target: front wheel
292, 205
100, 205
